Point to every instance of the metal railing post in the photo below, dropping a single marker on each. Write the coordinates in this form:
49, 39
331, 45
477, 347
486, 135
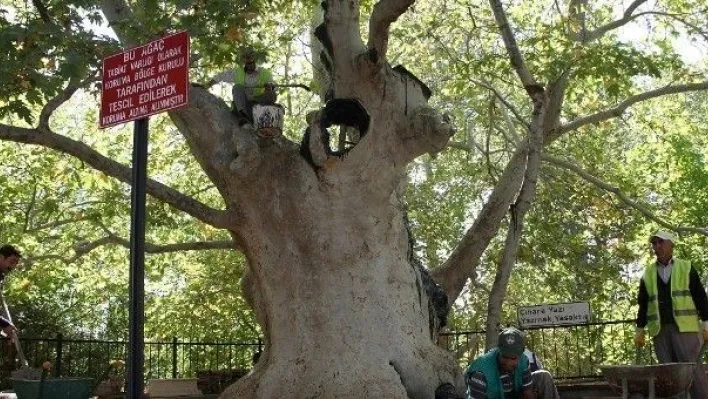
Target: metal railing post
57, 364
174, 357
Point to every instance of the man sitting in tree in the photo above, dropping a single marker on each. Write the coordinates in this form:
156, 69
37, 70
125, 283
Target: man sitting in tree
252, 85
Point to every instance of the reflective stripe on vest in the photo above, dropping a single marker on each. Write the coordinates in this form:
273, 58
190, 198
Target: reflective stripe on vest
684, 309
264, 77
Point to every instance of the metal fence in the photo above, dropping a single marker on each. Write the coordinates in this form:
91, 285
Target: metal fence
568, 352
168, 359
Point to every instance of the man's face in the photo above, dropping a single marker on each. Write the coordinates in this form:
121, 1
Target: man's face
508, 363
249, 64
8, 264
663, 249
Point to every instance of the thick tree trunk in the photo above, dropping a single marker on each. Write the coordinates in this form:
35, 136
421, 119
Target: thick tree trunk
345, 310
345, 313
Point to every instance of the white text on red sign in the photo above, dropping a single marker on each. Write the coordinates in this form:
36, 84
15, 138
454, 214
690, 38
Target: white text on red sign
145, 80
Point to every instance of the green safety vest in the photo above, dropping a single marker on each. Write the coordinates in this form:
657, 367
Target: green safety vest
685, 313
488, 364
264, 77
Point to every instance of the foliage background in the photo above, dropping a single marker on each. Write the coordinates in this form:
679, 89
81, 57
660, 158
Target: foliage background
581, 243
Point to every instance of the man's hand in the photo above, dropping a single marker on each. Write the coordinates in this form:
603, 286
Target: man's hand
529, 393
705, 330
640, 338
10, 331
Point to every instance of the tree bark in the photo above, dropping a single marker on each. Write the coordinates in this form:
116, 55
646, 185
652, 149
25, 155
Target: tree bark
517, 213
345, 311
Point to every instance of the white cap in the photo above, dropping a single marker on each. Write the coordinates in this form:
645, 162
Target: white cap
664, 235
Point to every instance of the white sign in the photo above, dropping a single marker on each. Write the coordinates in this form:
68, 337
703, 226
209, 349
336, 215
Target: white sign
554, 314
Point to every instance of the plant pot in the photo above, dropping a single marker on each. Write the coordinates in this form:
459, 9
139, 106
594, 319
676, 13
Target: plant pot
53, 388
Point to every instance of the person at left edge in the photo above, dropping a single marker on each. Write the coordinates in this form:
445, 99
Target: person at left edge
9, 259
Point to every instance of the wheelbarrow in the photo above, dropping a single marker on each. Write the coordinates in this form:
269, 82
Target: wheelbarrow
668, 380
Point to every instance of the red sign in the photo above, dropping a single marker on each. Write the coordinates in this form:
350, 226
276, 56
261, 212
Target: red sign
145, 80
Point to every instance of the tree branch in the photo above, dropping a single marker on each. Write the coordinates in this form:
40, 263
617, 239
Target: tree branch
210, 130
517, 60
628, 17
215, 151
385, 13
42, 10
83, 248
556, 96
453, 274
577, 17
512, 135
30, 207
697, 29
643, 209
516, 223
341, 39
621, 107
587, 37
60, 99
112, 168
55, 224
461, 349
503, 100
215, 139
166, 248
117, 11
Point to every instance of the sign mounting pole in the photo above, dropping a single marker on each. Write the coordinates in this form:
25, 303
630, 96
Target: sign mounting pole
136, 331
137, 83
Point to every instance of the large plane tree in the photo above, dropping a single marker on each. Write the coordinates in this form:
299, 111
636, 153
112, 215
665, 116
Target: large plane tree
345, 307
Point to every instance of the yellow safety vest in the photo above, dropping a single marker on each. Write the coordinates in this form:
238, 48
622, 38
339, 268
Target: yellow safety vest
264, 77
684, 309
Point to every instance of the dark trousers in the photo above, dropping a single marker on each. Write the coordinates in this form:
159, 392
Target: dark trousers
244, 106
673, 346
544, 385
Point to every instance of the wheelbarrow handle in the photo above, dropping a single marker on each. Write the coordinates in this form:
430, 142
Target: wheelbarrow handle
15, 337
20, 352
699, 359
